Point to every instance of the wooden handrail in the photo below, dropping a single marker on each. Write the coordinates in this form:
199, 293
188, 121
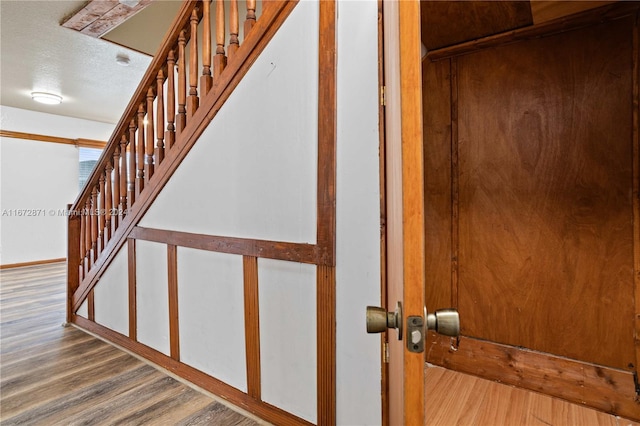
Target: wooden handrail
152, 125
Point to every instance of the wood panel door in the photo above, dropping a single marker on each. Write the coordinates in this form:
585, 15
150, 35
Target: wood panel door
531, 186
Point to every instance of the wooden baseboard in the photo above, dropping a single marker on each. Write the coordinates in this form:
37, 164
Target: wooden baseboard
33, 263
603, 388
240, 399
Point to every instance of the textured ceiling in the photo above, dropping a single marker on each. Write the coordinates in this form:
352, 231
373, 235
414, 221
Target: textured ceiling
37, 54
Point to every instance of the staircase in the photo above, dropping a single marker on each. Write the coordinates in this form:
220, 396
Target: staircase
171, 107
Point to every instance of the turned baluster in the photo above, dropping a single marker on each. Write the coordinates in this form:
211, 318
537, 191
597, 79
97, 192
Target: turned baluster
148, 172
192, 100
87, 234
234, 43
116, 187
220, 61
108, 202
122, 207
101, 213
83, 250
94, 223
170, 135
141, 150
160, 118
131, 187
206, 80
250, 20
181, 118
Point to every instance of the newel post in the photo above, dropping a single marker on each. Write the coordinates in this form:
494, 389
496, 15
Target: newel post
73, 257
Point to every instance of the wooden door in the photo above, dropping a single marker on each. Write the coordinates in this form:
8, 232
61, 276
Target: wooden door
405, 203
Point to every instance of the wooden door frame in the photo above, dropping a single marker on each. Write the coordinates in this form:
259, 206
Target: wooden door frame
405, 202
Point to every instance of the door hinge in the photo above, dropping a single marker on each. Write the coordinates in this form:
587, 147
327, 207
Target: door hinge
383, 96
385, 352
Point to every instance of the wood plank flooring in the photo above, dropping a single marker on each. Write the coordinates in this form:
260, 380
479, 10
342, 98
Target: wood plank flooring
54, 375
455, 398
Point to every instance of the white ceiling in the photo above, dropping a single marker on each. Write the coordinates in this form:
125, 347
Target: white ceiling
37, 54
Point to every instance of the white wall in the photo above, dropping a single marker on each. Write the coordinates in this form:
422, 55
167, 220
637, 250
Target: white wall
358, 214
41, 176
211, 314
111, 295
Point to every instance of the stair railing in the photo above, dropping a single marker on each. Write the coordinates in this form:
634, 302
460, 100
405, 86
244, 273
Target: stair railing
159, 111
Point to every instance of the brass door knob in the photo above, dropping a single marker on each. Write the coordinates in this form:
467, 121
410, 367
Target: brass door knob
445, 322
378, 319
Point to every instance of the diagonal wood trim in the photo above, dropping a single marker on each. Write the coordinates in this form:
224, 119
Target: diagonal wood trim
174, 329
603, 388
85, 143
252, 325
211, 384
294, 252
326, 347
133, 303
262, 32
327, 133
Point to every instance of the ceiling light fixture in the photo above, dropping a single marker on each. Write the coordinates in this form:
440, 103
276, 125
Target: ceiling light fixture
46, 98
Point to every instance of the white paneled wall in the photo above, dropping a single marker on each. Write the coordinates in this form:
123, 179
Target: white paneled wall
288, 336
211, 314
111, 295
152, 295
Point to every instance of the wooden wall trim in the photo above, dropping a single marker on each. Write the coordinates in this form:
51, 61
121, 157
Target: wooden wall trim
133, 303
261, 409
636, 188
326, 347
91, 306
32, 263
326, 205
384, 337
327, 136
600, 14
252, 326
85, 143
174, 328
294, 252
603, 388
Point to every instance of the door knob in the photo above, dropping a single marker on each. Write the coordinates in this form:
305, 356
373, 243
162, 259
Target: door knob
445, 322
378, 319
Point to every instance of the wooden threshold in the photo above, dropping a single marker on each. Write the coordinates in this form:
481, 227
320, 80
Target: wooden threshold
607, 389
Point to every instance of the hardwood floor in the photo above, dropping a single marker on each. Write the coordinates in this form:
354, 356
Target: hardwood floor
51, 374
460, 399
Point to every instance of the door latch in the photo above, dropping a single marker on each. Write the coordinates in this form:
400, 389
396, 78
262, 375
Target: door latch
442, 321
